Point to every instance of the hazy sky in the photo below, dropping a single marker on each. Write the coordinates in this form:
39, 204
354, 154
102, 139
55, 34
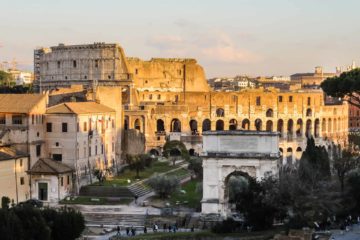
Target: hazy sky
227, 37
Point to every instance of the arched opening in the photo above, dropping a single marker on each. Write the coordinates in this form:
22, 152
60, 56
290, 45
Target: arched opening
317, 128
335, 125
220, 112
289, 156
232, 124
323, 127
175, 125
245, 124
269, 113
299, 128
235, 183
219, 125
206, 125
193, 126
154, 152
280, 127
269, 126
160, 126
126, 123
308, 128
192, 152
298, 153
308, 112
290, 129
258, 124
137, 124
329, 126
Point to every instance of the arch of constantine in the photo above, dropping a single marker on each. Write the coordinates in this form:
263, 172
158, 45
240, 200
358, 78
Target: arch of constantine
226, 153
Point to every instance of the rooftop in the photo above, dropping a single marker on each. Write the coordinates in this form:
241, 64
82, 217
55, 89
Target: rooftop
7, 153
19, 103
49, 166
79, 108
241, 132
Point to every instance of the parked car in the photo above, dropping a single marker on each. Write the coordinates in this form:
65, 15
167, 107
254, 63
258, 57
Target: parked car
32, 202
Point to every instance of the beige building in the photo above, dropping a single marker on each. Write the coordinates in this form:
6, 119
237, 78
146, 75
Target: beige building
14, 182
311, 79
51, 180
81, 135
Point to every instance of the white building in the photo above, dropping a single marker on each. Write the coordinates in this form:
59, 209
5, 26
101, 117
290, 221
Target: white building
81, 135
24, 78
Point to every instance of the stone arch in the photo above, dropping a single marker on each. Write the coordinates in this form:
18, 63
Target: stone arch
175, 125
160, 126
220, 112
308, 128
323, 127
219, 125
154, 152
171, 148
206, 125
335, 126
245, 124
193, 126
258, 124
280, 127
308, 112
329, 126
317, 128
290, 129
299, 127
289, 155
137, 124
237, 173
192, 152
126, 123
269, 113
233, 124
269, 126
298, 153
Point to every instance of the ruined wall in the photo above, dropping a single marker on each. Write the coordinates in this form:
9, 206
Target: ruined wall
133, 142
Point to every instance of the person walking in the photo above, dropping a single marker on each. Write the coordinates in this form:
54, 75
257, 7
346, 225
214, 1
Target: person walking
118, 230
127, 231
145, 229
133, 232
164, 227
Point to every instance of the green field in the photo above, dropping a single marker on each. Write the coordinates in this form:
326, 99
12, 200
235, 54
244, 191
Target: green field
191, 198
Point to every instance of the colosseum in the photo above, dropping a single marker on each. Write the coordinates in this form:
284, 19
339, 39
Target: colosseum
171, 99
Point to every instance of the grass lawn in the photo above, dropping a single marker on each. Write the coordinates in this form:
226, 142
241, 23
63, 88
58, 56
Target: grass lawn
191, 196
122, 179
96, 201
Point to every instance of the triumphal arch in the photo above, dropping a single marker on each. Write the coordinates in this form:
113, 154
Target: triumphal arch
225, 153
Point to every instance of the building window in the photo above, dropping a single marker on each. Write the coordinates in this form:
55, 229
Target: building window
21, 162
136, 71
308, 101
62, 181
150, 96
74, 64
258, 101
2, 119
113, 147
85, 126
49, 127
280, 98
109, 77
89, 151
68, 180
65, 77
96, 150
159, 96
57, 144
112, 123
32, 119
96, 63
38, 150
77, 126
22, 181
58, 64
290, 98
57, 157
64, 127
102, 148
85, 77
38, 134
17, 119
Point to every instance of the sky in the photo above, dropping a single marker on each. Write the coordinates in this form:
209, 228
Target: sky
226, 37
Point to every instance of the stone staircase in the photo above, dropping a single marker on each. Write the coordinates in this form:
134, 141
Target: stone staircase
136, 220
106, 191
140, 189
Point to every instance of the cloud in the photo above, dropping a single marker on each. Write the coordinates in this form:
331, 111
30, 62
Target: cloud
210, 46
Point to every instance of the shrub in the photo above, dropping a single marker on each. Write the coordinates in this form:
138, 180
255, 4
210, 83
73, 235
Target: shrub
5, 201
195, 164
164, 185
226, 226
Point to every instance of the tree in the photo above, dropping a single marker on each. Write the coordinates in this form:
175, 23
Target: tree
314, 164
195, 165
164, 185
136, 162
10, 226
99, 174
344, 163
346, 85
5, 201
5, 78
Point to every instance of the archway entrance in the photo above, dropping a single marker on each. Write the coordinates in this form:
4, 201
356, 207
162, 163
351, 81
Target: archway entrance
235, 183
